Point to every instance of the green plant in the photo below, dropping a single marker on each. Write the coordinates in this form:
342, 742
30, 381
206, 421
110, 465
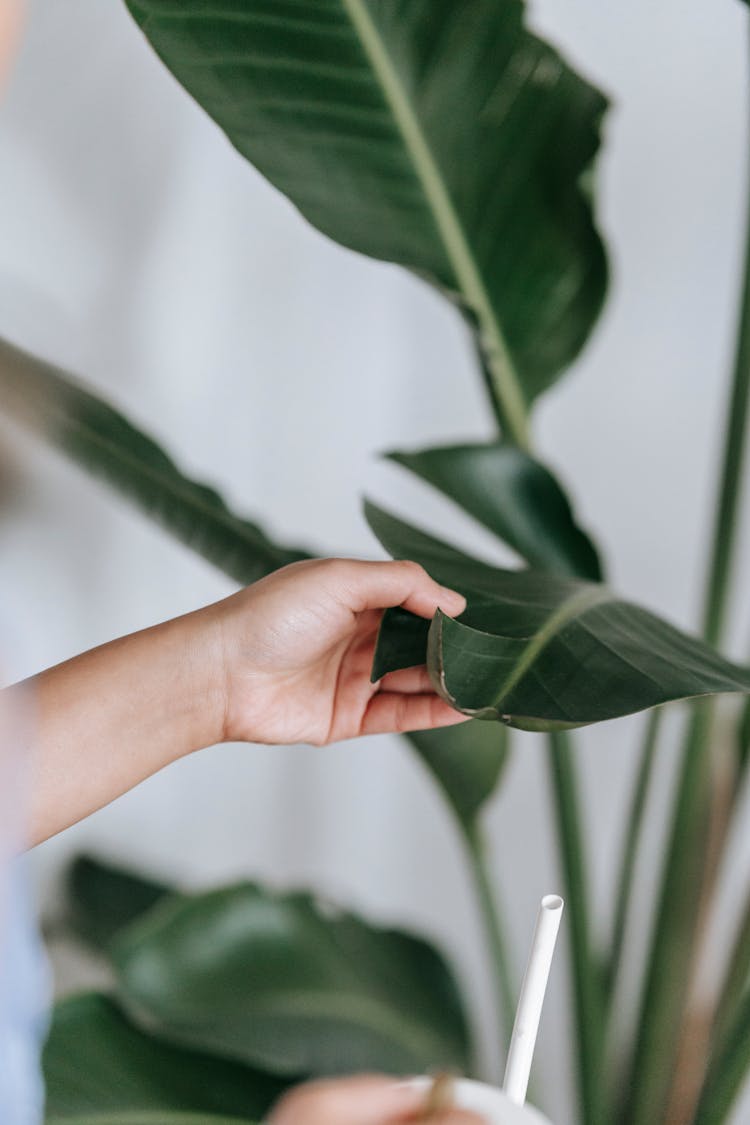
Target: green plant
449, 139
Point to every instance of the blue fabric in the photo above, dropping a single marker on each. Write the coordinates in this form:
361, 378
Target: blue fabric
23, 1003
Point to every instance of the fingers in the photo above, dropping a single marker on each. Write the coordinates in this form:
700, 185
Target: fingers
364, 1100
393, 712
407, 681
457, 1117
378, 585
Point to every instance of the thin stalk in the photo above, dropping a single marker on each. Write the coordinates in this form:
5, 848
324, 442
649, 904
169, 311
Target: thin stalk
735, 442
742, 744
725, 524
727, 1072
503, 983
682, 896
735, 981
585, 969
737, 972
669, 969
634, 827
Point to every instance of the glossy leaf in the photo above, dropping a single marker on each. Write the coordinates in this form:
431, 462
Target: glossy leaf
516, 497
60, 409
467, 762
281, 982
97, 1064
442, 136
103, 898
538, 651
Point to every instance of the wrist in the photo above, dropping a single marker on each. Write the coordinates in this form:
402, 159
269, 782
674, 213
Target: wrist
196, 645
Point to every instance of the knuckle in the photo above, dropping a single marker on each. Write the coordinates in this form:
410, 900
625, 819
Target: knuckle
402, 713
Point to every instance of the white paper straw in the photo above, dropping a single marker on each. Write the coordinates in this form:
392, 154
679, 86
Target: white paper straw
528, 1013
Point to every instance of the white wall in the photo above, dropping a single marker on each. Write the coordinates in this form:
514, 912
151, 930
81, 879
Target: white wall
138, 249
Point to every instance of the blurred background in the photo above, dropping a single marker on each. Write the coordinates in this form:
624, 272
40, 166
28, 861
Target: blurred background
138, 250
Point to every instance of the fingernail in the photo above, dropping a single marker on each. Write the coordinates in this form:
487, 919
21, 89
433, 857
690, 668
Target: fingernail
454, 596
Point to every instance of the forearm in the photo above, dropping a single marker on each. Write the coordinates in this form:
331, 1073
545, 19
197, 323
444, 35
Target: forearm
285, 660
111, 717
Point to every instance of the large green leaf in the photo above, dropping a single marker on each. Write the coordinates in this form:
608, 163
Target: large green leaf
513, 495
62, 411
286, 984
439, 135
538, 651
103, 898
467, 762
96, 1063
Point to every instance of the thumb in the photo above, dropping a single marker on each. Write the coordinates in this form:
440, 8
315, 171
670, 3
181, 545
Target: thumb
380, 585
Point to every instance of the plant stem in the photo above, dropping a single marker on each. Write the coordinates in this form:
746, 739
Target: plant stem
727, 1072
506, 431
742, 744
633, 829
505, 992
586, 976
683, 891
735, 981
668, 972
735, 429
735, 441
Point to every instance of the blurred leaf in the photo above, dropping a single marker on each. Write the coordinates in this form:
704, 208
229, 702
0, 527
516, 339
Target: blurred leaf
466, 761
104, 898
97, 1064
60, 409
513, 495
537, 651
442, 136
284, 983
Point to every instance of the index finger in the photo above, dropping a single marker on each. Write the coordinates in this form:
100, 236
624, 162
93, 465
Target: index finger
382, 585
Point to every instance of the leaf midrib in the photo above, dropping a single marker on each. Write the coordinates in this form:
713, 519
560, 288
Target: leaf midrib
449, 226
573, 606
357, 1009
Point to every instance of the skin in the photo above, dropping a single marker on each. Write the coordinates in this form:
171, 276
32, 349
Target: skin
10, 27
286, 660
364, 1100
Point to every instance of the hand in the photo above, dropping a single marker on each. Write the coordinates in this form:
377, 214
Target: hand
297, 649
286, 660
365, 1100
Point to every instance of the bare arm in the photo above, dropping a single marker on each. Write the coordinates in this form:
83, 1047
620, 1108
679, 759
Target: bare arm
286, 660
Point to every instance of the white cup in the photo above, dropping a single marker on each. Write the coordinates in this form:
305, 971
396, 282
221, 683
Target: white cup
489, 1102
